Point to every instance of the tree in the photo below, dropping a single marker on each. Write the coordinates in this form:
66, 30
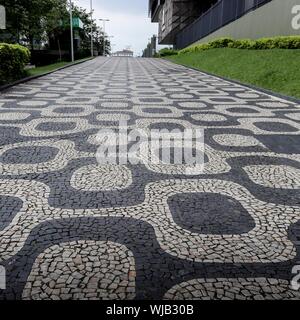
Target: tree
27, 20
46, 23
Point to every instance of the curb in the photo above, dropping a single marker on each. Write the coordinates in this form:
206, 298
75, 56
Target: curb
24, 80
250, 86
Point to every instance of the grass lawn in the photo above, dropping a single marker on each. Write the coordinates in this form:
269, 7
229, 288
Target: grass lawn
277, 69
50, 67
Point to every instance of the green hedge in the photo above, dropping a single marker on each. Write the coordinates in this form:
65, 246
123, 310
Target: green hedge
165, 52
289, 42
13, 59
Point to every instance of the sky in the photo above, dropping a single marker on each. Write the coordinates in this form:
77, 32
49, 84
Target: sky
129, 22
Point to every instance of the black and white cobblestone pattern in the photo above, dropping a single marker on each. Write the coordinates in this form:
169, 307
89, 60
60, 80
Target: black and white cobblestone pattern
72, 229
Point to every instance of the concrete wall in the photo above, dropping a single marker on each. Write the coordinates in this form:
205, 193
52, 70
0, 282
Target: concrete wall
272, 19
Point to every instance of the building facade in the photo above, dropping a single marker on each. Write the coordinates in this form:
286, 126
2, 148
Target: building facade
184, 22
174, 15
123, 53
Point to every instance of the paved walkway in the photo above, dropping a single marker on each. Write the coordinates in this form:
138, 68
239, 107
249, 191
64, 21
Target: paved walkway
71, 229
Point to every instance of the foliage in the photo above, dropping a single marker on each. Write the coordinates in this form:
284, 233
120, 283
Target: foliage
242, 44
220, 43
45, 24
288, 42
291, 42
165, 52
28, 20
13, 59
217, 43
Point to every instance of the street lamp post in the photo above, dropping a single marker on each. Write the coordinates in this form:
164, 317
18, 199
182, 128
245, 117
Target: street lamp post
104, 44
92, 42
71, 28
112, 45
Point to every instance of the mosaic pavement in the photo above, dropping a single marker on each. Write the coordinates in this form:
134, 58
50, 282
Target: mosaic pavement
71, 229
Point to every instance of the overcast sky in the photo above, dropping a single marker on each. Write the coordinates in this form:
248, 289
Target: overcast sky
129, 22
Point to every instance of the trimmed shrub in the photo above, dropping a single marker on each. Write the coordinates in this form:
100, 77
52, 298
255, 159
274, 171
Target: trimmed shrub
165, 52
187, 50
288, 42
195, 48
265, 43
13, 59
220, 43
242, 44
292, 42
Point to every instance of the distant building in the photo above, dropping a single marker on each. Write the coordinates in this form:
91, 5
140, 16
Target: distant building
183, 22
151, 49
123, 53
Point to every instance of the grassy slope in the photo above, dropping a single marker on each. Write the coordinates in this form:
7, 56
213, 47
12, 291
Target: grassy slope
50, 67
277, 70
